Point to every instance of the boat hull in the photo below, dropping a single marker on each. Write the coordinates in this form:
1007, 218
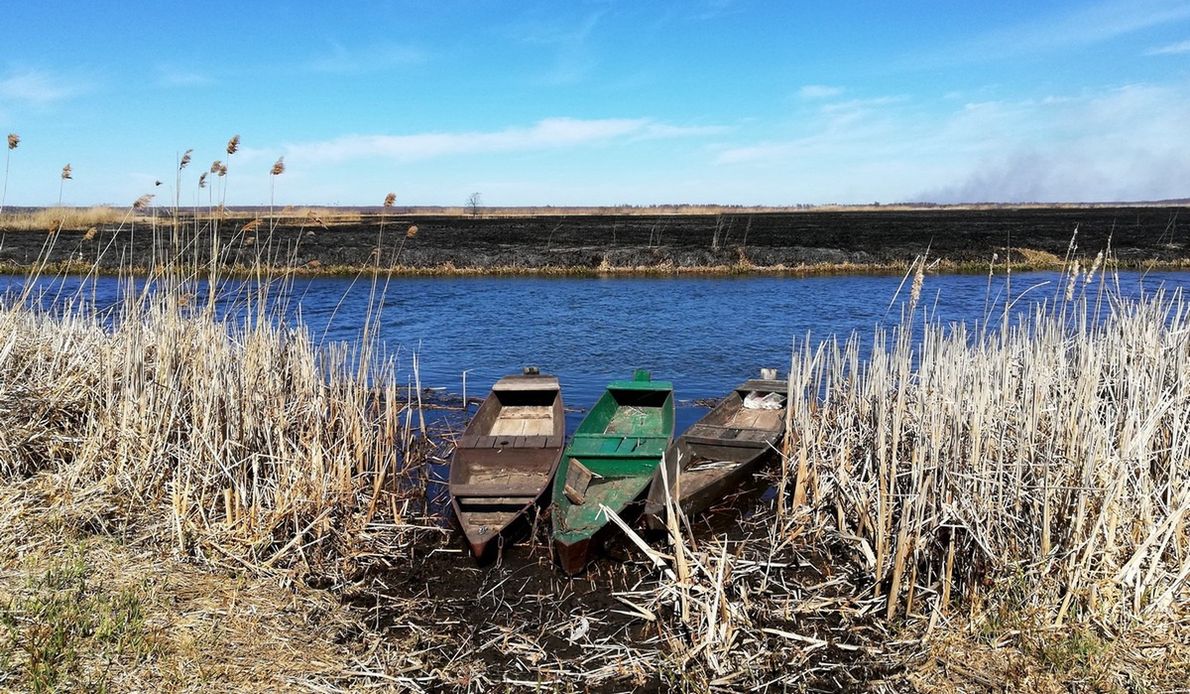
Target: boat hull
487, 547
504, 462
573, 556
718, 454
609, 464
697, 500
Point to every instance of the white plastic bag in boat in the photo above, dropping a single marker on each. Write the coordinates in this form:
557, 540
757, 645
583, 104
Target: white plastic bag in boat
764, 401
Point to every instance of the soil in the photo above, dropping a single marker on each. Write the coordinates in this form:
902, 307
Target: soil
809, 241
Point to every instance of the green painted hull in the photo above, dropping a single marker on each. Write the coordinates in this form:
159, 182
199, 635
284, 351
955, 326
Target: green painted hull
621, 441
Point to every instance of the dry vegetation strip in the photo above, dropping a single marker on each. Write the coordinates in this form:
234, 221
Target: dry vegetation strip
1021, 494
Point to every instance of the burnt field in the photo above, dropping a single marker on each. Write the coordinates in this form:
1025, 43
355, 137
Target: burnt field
809, 241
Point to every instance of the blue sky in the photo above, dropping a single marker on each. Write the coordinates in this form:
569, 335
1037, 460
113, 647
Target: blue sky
604, 103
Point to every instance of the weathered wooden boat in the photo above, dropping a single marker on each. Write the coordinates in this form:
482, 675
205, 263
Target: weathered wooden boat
721, 451
610, 462
506, 459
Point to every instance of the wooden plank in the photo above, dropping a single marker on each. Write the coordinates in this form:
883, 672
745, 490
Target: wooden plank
522, 383
578, 479
716, 441
481, 501
758, 435
490, 489
539, 427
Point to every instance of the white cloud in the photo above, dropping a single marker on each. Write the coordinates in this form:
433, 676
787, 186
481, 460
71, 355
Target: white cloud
1120, 144
338, 59
1125, 143
1054, 31
818, 91
550, 133
565, 46
836, 127
36, 88
1171, 49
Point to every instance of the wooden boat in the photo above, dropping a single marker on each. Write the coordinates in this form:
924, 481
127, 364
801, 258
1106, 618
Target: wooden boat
506, 459
610, 462
720, 451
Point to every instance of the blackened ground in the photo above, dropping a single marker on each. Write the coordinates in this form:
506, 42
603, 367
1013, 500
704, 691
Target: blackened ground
804, 241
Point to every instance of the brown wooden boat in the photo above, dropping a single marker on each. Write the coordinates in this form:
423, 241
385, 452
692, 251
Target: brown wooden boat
720, 451
505, 460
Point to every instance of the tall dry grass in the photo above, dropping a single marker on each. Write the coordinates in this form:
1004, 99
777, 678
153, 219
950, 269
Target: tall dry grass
1024, 483
245, 439
1047, 463
54, 218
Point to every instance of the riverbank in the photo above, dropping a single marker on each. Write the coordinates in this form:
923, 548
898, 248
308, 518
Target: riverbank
871, 241
183, 481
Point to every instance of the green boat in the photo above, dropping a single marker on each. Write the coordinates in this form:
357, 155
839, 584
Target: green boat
610, 462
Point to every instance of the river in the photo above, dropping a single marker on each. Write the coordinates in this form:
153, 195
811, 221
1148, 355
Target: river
705, 334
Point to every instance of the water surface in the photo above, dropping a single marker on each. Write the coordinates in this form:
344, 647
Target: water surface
706, 334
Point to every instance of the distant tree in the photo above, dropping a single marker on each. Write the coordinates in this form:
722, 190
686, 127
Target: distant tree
473, 203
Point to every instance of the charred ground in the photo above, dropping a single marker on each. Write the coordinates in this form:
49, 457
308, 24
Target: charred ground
806, 242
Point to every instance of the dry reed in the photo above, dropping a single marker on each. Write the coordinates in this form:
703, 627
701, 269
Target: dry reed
13, 141
262, 447
952, 478
80, 218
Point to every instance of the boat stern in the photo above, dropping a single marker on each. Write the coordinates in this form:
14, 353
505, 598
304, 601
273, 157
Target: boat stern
572, 553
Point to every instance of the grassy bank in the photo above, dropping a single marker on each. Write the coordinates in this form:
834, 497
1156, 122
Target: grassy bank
954, 510
80, 268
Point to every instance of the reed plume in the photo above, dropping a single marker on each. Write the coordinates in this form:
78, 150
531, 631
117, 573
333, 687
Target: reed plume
1094, 268
411, 232
91, 234
202, 180
389, 201
215, 166
67, 174
277, 170
918, 280
185, 160
142, 202
250, 227
233, 145
13, 141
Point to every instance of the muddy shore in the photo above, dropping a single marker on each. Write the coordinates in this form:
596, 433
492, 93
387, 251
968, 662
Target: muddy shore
811, 242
